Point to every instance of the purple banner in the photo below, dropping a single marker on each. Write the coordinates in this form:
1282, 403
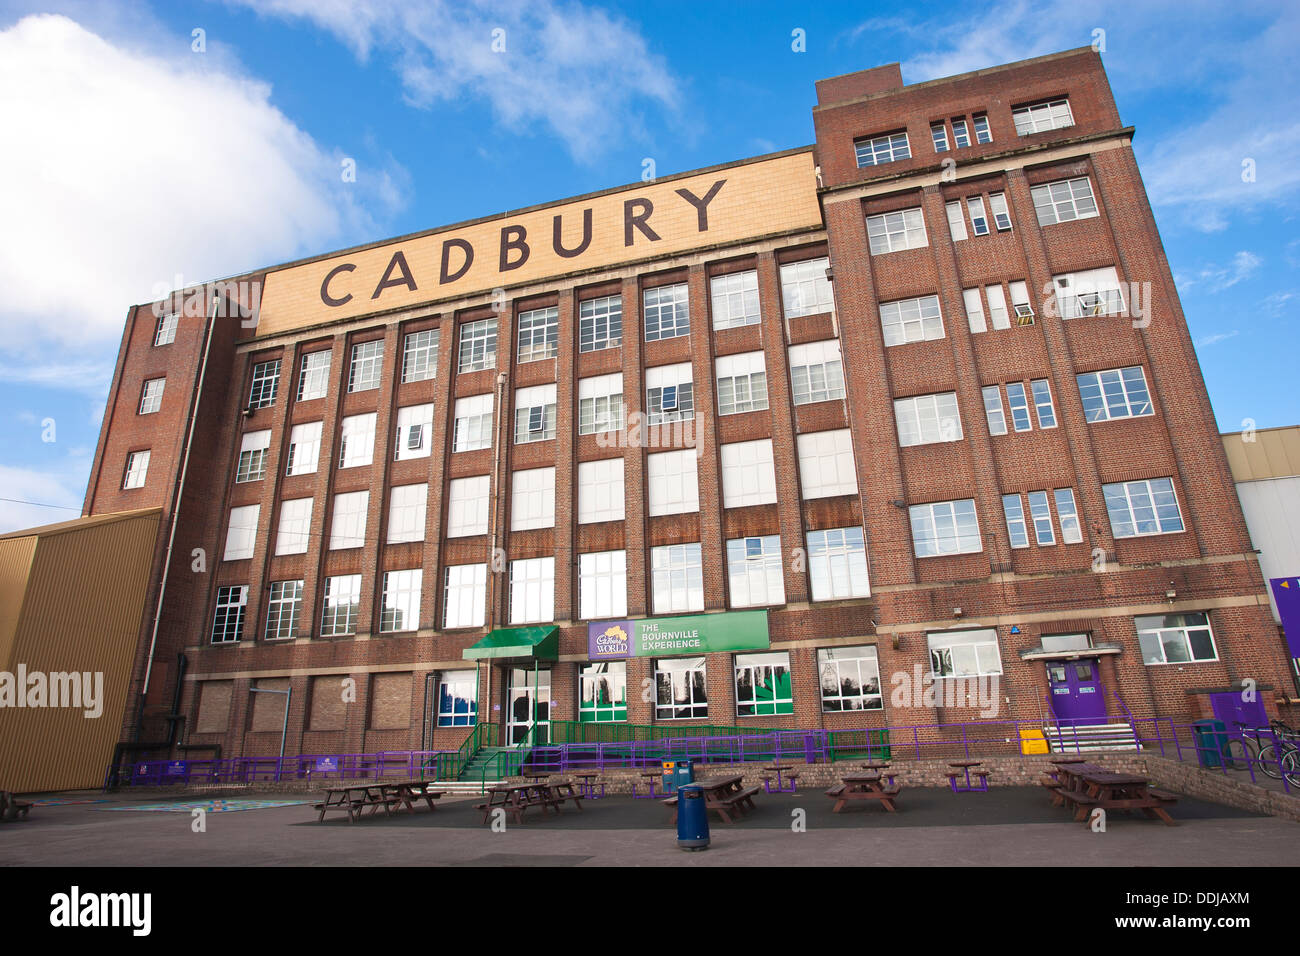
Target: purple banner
609, 640
1286, 593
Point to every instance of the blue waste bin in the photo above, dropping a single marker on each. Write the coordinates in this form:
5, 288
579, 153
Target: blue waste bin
676, 773
1211, 742
692, 818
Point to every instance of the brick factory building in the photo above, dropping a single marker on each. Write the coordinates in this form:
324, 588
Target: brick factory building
765, 444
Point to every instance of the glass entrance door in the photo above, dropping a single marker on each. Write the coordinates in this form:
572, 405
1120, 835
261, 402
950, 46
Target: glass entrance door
529, 689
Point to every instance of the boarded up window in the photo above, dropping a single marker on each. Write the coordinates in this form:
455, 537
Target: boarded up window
214, 706
328, 711
268, 709
390, 707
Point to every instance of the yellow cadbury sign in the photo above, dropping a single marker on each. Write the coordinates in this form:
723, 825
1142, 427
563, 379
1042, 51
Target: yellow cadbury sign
731, 204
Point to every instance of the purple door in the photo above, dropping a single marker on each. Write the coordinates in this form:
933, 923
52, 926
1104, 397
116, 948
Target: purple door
1235, 712
1076, 692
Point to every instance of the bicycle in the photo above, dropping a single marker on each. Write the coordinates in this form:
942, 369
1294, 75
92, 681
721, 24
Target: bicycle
1281, 755
1240, 752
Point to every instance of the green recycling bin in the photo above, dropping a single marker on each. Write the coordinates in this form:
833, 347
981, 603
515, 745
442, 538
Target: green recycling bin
1211, 742
676, 773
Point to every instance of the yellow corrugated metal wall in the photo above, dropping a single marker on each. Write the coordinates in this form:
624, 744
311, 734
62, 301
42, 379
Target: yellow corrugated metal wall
81, 612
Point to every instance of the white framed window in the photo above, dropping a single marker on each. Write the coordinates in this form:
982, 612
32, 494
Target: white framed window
1001, 214
535, 414
420, 355
539, 334
314, 376
602, 585
945, 527
1040, 117
1114, 393
896, 231
1063, 201
681, 688
478, 345
1043, 408
1040, 511
1140, 508
407, 505
465, 596
266, 381
672, 482
960, 133
473, 423
826, 466
816, 372
1089, 293
926, 419
850, 679
1013, 509
253, 449
974, 310
669, 393
283, 606
993, 410
400, 610
939, 134
357, 440
887, 148
600, 323
837, 564
805, 290
532, 499
1020, 304
748, 474
602, 692
754, 573
341, 608
532, 590
165, 333
1068, 515
677, 578
467, 506
228, 614
666, 312
600, 491
969, 653
1176, 638
997, 306
956, 221
982, 132
458, 699
979, 222
241, 533
742, 383
600, 404
735, 300
294, 533
137, 467
366, 367
763, 686
911, 320
304, 449
348, 527
414, 432
1018, 405
151, 395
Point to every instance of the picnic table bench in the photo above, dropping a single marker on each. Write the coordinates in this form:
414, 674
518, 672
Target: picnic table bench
779, 769
516, 798
966, 769
11, 808
727, 796
355, 798
1116, 791
863, 786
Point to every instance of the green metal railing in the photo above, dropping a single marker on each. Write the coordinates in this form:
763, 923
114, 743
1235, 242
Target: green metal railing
450, 766
857, 744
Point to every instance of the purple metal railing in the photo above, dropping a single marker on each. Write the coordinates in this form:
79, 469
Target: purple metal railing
304, 767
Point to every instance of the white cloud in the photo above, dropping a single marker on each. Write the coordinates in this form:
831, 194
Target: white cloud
1216, 278
1215, 338
134, 168
582, 72
62, 486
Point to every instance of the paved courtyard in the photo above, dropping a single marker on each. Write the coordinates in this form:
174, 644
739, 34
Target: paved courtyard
1007, 826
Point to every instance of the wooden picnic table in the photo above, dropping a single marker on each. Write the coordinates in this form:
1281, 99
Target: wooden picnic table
354, 798
779, 769
726, 795
587, 784
651, 777
962, 768
880, 766
863, 786
1065, 777
516, 798
409, 791
1119, 791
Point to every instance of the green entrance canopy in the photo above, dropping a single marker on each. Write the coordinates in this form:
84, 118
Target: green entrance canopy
540, 643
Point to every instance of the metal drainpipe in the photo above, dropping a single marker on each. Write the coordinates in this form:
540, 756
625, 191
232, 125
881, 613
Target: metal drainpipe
176, 509
495, 520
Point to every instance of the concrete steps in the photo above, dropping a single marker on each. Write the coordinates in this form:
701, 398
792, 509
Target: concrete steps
1090, 738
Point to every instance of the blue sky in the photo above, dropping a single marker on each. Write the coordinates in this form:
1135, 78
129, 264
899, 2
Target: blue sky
147, 163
